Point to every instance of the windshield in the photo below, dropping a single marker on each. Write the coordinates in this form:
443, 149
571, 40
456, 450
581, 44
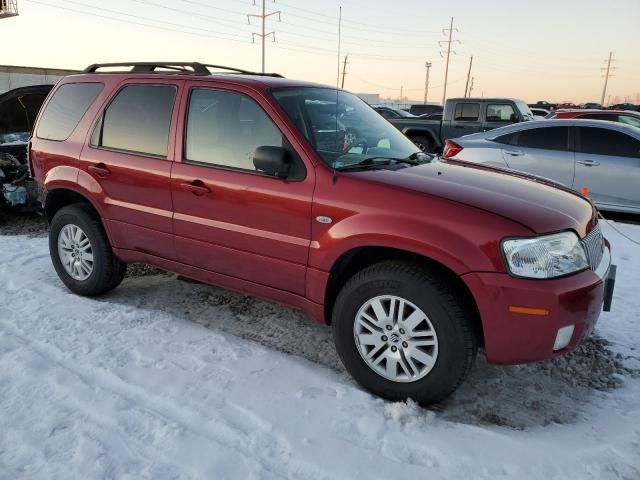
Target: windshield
525, 110
343, 133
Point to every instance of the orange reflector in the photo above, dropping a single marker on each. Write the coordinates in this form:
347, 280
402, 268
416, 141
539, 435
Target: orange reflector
528, 311
585, 191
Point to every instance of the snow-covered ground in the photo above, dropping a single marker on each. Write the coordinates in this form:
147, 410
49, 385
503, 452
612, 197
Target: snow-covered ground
166, 379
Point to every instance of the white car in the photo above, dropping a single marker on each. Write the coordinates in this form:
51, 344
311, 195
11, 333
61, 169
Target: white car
602, 156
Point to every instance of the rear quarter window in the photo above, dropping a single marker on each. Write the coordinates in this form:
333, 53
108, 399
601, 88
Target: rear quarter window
66, 108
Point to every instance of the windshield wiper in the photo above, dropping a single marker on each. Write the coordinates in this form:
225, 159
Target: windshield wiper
381, 161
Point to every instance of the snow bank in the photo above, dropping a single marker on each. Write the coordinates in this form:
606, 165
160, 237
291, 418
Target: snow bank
131, 386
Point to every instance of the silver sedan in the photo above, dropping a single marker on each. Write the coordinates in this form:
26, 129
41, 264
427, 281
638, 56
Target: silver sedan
602, 156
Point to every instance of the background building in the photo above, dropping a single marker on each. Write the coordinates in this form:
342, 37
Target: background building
13, 77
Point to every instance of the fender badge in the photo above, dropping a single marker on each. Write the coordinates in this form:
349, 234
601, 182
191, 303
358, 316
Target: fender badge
323, 219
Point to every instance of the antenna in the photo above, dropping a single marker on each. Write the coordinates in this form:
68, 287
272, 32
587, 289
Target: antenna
337, 87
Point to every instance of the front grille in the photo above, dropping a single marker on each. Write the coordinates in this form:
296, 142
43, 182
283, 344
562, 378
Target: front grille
594, 246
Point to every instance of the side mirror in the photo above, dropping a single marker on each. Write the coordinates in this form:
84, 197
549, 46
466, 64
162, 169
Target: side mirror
274, 161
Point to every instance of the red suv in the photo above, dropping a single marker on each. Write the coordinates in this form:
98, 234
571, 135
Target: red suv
622, 116
302, 194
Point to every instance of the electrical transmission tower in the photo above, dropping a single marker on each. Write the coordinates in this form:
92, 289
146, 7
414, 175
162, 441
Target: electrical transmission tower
8, 8
608, 74
448, 52
426, 81
264, 34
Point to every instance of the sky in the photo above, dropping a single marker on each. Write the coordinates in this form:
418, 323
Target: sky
534, 50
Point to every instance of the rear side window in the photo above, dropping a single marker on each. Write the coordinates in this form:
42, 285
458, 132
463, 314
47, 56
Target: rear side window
599, 116
501, 113
67, 106
629, 120
602, 141
548, 138
467, 112
137, 120
508, 139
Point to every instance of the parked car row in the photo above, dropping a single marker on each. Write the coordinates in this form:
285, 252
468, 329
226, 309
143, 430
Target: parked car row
461, 116
544, 105
303, 195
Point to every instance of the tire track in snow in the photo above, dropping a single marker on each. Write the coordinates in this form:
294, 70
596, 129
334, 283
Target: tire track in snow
221, 432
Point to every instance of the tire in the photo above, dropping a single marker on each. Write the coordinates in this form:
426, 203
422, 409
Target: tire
107, 271
446, 313
423, 143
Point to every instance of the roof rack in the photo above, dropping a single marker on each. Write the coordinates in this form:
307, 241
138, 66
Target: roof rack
192, 68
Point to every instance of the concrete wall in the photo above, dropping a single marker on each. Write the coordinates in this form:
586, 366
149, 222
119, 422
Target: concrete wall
13, 77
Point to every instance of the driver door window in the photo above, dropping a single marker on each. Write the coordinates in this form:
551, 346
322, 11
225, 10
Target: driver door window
501, 113
224, 128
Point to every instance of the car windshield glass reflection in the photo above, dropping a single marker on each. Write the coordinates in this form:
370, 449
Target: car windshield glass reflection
342, 128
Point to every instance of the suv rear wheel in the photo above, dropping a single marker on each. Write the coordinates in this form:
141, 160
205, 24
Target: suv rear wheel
81, 253
402, 332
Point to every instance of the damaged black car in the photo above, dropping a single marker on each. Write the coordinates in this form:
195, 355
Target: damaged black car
18, 111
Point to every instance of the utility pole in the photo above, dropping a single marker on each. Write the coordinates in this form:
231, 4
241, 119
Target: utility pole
468, 74
344, 68
263, 17
448, 52
471, 87
608, 68
426, 81
401, 88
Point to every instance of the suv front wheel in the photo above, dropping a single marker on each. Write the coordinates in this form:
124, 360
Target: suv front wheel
402, 332
81, 253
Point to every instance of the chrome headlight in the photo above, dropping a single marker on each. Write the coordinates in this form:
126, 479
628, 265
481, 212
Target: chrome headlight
547, 256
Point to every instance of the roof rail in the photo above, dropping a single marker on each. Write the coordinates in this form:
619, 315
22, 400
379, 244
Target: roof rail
193, 68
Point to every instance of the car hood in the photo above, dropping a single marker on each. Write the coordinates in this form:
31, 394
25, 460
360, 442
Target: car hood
538, 204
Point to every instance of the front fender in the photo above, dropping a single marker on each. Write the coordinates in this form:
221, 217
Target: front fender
474, 247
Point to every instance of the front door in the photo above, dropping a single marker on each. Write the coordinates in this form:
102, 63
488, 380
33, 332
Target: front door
130, 155
228, 217
499, 115
608, 164
542, 151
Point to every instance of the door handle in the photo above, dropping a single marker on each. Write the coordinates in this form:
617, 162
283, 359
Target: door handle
197, 187
100, 170
588, 163
514, 153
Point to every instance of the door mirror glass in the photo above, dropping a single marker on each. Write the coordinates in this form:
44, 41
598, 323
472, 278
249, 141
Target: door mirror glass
274, 161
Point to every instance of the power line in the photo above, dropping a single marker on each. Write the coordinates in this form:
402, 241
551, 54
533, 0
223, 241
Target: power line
263, 35
449, 51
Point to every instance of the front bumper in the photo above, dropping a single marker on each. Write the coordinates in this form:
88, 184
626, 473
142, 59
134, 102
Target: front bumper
515, 337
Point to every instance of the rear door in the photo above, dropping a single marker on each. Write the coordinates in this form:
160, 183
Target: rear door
464, 121
129, 155
228, 217
608, 164
542, 151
